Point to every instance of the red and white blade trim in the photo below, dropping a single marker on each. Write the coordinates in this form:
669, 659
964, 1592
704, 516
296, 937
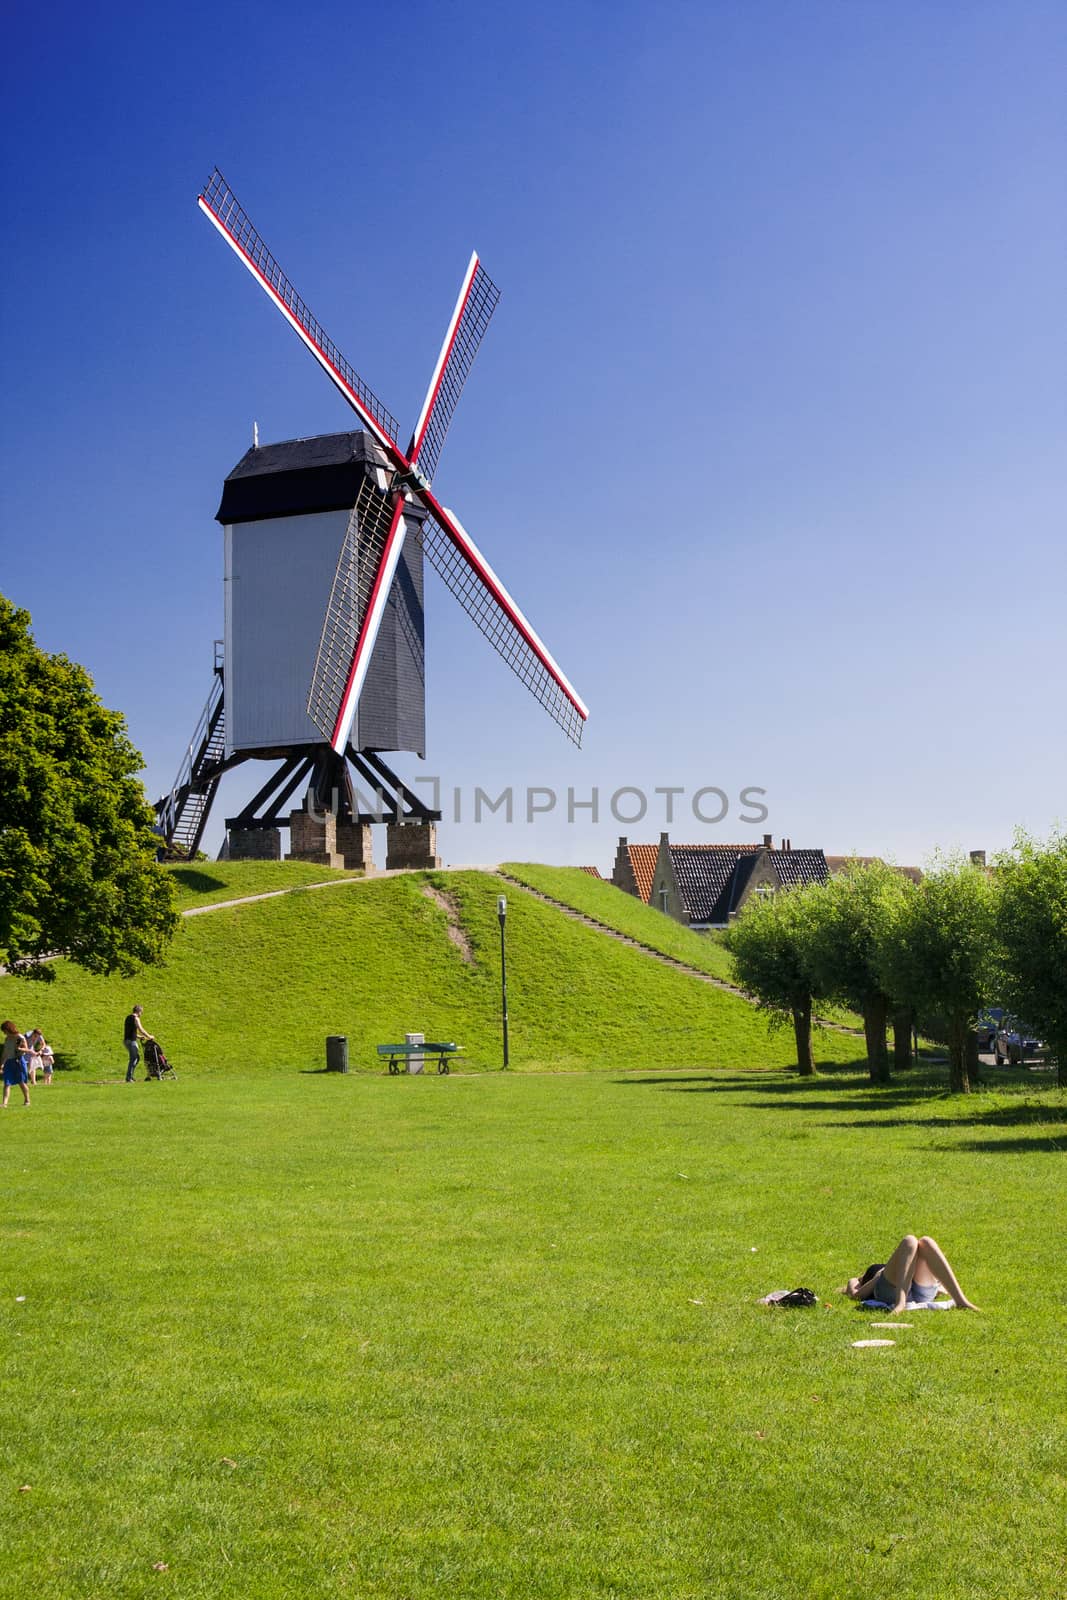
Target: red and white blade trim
477, 300
220, 205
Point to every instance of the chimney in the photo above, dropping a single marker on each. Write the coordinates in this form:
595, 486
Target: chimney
768, 841
622, 841
977, 858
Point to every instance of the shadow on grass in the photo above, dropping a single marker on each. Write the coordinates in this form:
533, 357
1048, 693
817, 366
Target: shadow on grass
1026, 1115
1019, 1147
195, 881
773, 1086
67, 1061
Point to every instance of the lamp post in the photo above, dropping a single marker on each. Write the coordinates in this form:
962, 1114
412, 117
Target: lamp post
502, 913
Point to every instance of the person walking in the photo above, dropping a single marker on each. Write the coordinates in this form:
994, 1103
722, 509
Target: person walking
132, 1034
13, 1057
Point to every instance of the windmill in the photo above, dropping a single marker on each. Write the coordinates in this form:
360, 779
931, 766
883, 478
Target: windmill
326, 701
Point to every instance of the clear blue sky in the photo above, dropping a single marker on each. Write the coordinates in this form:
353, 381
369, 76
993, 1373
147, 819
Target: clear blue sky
766, 436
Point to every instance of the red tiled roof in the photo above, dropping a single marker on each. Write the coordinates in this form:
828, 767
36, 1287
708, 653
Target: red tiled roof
643, 865
594, 872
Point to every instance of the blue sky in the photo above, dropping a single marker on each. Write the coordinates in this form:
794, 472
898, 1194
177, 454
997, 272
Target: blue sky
766, 436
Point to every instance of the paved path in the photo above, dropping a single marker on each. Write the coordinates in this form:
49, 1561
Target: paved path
298, 888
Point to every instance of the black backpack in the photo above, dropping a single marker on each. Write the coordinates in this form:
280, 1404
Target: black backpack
795, 1297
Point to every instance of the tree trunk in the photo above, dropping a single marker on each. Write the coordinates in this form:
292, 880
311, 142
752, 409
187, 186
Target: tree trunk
1057, 1049
875, 1014
902, 1039
974, 1066
802, 1032
959, 1081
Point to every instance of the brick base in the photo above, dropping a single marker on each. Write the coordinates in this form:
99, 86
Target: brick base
411, 844
254, 844
356, 846
314, 838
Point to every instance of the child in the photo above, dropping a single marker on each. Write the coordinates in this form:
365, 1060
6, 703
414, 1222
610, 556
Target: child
41, 1057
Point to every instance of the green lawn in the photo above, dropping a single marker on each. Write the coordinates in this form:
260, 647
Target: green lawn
298, 1335
260, 986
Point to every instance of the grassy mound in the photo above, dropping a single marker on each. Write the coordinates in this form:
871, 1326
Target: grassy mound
259, 986
602, 900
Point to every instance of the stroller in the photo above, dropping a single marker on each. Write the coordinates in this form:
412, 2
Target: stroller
156, 1063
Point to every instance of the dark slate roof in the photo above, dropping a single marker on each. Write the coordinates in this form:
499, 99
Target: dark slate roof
704, 872
796, 867
298, 476
712, 878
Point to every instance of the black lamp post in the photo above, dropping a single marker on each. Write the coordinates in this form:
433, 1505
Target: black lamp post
502, 913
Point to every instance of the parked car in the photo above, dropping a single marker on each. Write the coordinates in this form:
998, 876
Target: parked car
986, 1027
1013, 1044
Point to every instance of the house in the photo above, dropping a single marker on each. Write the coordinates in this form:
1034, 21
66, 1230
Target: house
705, 885
634, 869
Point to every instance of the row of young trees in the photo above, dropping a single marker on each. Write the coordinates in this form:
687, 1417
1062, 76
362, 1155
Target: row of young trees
963, 939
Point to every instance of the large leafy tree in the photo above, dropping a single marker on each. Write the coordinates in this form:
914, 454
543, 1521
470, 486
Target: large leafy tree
937, 954
1032, 928
78, 875
849, 915
770, 945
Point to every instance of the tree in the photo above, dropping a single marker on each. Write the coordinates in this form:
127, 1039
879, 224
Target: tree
1032, 928
937, 954
849, 915
769, 943
78, 875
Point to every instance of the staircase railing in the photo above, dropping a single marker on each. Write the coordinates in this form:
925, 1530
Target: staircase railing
182, 812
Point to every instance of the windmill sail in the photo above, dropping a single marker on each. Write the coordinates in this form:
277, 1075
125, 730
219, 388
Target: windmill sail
478, 296
366, 565
221, 206
453, 554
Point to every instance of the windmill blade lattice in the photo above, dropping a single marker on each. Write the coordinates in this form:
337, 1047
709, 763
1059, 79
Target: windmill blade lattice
490, 614
229, 216
362, 551
477, 302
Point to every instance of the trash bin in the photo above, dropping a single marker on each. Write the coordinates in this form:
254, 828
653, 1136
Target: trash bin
336, 1052
415, 1062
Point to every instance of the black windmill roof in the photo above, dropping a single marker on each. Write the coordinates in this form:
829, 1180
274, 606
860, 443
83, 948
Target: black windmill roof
298, 476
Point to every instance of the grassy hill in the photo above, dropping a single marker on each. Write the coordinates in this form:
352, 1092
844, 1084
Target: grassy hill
602, 900
259, 986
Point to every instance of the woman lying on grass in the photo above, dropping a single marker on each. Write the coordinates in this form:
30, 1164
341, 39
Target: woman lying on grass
916, 1270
